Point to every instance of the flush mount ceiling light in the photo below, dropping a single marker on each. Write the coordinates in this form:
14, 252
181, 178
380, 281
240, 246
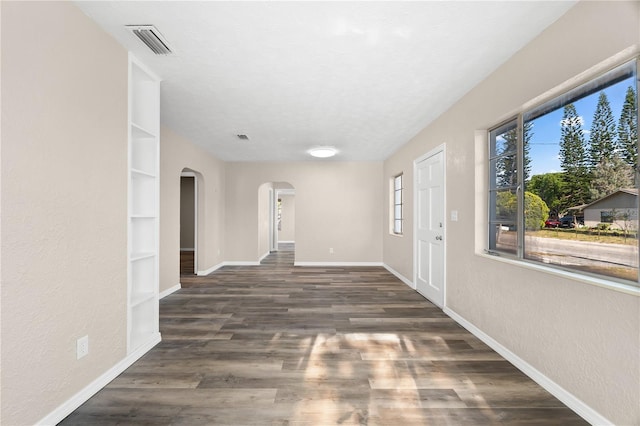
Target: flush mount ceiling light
323, 151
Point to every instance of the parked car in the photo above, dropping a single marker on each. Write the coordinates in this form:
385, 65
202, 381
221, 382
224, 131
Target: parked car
569, 221
551, 223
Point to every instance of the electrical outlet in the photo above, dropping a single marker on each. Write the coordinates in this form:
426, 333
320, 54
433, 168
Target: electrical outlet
82, 347
330, 250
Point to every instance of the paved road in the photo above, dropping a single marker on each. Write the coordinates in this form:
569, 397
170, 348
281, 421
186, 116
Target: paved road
577, 252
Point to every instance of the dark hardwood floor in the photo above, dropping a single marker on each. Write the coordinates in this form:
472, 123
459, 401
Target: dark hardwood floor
187, 263
282, 345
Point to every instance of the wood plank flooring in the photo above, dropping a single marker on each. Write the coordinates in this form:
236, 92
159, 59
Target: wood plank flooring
282, 345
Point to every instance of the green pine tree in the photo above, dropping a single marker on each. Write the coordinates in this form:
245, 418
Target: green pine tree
602, 141
610, 175
573, 158
508, 166
628, 129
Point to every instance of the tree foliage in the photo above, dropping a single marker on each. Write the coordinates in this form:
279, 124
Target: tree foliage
628, 129
610, 175
573, 158
549, 187
506, 205
536, 212
508, 170
602, 140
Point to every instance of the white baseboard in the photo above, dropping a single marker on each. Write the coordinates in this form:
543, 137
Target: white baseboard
57, 415
263, 256
241, 263
398, 275
187, 249
340, 264
210, 270
286, 242
168, 291
567, 398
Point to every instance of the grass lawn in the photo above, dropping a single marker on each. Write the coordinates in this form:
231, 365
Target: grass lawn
584, 234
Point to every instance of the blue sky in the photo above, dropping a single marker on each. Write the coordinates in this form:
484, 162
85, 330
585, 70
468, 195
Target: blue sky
546, 129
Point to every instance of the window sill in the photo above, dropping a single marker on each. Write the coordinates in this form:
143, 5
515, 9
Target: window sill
586, 279
393, 234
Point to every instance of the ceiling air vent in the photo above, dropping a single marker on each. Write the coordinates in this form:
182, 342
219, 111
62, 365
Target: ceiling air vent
151, 37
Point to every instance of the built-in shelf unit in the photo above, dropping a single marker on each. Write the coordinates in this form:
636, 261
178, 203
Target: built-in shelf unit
143, 212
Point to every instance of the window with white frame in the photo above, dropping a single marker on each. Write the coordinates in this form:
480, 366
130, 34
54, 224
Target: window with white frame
397, 204
554, 168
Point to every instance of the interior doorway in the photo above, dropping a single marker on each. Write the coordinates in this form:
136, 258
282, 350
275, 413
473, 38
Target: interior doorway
188, 223
276, 212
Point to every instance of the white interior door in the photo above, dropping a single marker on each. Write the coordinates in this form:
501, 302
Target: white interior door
429, 229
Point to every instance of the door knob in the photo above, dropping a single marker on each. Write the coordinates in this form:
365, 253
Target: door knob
439, 237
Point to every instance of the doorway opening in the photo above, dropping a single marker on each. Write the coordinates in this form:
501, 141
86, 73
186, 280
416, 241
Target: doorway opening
188, 222
276, 205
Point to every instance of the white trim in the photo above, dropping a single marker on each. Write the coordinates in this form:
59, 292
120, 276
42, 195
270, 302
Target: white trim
441, 148
210, 270
240, 263
263, 256
67, 407
187, 249
575, 276
188, 174
567, 398
228, 263
286, 242
399, 276
168, 291
338, 264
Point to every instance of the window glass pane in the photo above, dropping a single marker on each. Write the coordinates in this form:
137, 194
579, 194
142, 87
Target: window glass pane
397, 182
503, 238
503, 140
397, 226
397, 212
506, 206
398, 197
581, 197
505, 172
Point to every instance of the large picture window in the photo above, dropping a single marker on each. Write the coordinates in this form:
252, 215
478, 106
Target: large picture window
563, 180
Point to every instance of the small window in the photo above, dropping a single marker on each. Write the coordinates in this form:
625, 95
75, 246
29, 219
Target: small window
397, 204
606, 217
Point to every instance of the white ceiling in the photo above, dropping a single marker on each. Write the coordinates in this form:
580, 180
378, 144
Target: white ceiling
364, 77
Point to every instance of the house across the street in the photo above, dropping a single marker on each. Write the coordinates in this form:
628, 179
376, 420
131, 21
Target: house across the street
620, 209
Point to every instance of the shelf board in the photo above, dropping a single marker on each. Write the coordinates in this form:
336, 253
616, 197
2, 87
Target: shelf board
140, 298
138, 131
142, 216
137, 172
141, 255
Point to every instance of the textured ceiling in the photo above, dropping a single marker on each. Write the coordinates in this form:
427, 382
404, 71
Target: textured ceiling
364, 77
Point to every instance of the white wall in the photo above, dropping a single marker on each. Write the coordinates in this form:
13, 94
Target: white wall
64, 210
177, 153
337, 206
584, 338
288, 218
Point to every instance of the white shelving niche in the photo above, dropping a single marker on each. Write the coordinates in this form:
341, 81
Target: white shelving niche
143, 221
